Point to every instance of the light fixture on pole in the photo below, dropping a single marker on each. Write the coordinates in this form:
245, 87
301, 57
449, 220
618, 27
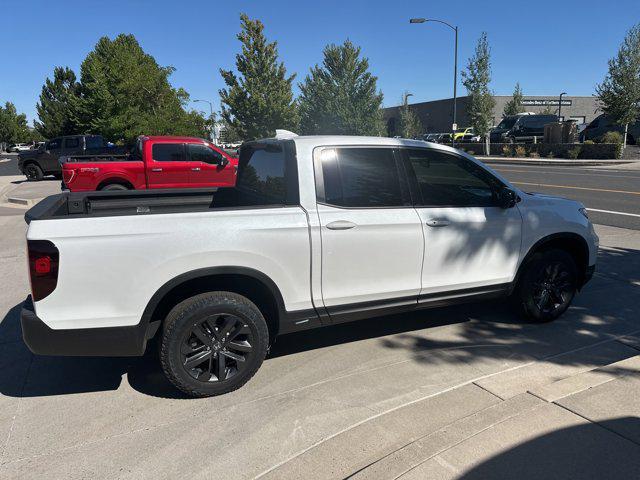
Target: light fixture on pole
211, 134
455, 69
560, 106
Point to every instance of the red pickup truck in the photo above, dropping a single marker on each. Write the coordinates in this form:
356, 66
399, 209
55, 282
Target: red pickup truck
155, 162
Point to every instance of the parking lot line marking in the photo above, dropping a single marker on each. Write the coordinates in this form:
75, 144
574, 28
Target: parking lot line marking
578, 188
613, 212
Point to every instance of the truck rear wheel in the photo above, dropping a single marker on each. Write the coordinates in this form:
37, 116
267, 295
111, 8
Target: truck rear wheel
547, 286
213, 343
33, 172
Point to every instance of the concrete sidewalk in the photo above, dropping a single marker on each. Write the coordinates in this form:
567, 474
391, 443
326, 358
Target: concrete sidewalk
464, 392
16, 190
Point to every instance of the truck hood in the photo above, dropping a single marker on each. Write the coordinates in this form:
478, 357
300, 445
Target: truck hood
554, 199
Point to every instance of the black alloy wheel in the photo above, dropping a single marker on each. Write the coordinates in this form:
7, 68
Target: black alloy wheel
217, 348
553, 289
547, 285
33, 172
213, 343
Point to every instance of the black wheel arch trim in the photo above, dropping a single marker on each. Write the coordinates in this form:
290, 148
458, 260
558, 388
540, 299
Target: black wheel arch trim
287, 321
553, 237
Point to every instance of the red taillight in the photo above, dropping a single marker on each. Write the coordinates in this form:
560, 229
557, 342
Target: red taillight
67, 175
43, 267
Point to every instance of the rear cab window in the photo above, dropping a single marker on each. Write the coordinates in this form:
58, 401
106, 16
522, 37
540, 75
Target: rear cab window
267, 174
168, 152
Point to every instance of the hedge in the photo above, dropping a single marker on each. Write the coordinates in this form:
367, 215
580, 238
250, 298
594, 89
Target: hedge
596, 151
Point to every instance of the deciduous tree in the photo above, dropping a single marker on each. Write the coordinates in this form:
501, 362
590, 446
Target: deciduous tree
410, 124
341, 96
13, 125
258, 98
476, 79
619, 93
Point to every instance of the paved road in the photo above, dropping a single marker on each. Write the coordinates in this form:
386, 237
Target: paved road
611, 196
8, 164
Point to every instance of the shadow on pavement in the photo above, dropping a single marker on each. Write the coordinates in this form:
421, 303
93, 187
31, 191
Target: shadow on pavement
585, 451
485, 331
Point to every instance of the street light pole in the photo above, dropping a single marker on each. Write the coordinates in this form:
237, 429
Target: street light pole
455, 70
560, 105
211, 134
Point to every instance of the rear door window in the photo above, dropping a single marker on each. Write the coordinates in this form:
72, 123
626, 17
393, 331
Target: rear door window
54, 144
361, 178
94, 142
70, 143
168, 152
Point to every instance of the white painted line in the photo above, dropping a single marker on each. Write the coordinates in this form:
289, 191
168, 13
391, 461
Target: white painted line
614, 213
2, 160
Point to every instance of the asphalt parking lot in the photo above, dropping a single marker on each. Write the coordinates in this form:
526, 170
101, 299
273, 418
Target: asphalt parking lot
464, 392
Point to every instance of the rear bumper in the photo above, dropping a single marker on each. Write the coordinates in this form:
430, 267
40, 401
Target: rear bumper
127, 341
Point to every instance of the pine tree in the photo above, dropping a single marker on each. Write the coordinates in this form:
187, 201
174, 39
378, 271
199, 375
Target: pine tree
58, 100
258, 99
619, 93
410, 124
476, 79
514, 106
125, 93
341, 96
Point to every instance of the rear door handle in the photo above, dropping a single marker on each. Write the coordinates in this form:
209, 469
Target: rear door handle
340, 225
156, 169
437, 222
195, 169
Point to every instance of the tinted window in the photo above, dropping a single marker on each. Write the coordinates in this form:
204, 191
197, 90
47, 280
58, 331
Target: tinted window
507, 122
447, 180
202, 153
94, 142
361, 177
71, 142
261, 175
54, 144
168, 152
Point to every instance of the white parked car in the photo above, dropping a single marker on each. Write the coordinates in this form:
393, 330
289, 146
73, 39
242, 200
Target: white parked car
20, 147
318, 231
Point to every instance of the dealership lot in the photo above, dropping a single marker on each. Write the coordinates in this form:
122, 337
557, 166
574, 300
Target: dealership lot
432, 394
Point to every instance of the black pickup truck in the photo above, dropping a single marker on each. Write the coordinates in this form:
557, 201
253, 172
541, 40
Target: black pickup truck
35, 164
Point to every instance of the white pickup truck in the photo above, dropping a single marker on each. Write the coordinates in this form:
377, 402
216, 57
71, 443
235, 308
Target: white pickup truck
318, 231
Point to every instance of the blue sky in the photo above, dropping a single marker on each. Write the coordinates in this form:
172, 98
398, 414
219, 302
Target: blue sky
548, 46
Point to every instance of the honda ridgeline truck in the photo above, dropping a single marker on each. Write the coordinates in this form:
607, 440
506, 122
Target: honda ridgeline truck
155, 162
317, 231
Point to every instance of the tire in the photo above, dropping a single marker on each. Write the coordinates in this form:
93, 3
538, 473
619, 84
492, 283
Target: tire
546, 286
213, 343
113, 187
33, 172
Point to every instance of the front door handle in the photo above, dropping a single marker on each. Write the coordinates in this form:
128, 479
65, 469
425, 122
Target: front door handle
156, 169
437, 222
340, 225
195, 169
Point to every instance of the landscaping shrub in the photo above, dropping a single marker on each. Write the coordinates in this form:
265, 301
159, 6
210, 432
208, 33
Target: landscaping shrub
574, 152
533, 154
611, 137
520, 151
506, 151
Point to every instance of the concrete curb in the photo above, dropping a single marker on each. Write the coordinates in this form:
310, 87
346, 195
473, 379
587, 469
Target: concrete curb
23, 201
551, 162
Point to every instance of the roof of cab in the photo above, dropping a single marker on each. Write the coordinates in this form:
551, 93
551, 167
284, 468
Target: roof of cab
170, 138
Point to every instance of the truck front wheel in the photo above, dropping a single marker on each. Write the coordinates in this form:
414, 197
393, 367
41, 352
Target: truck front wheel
213, 343
547, 286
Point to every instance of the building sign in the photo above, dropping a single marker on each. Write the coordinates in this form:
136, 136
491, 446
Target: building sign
545, 102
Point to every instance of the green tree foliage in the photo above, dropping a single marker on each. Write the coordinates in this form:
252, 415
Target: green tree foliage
13, 125
514, 106
476, 79
125, 93
619, 93
58, 99
410, 124
258, 99
341, 96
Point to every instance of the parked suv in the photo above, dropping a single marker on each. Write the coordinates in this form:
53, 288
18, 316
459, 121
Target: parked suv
317, 231
603, 124
520, 128
35, 164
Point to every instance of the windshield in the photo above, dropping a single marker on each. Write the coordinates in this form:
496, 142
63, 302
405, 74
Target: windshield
507, 122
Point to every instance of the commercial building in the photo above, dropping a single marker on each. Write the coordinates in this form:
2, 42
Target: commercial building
437, 115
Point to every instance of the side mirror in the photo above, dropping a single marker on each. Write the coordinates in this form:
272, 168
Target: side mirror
41, 148
223, 162
507, 198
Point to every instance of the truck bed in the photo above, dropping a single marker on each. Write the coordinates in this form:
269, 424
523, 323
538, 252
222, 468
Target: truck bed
137, 202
